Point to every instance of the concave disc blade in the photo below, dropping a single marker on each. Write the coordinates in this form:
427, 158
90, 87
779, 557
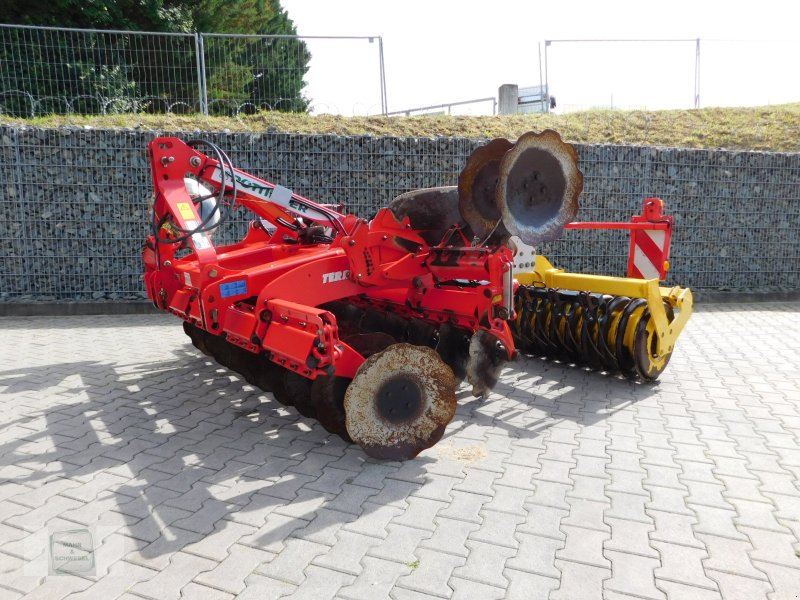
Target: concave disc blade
400, 402
453, 347
432, 211
487, 355
538, 187
298, 388
477, 185
327, 396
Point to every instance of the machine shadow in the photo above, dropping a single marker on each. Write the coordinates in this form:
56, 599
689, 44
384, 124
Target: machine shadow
188, 450
536, 394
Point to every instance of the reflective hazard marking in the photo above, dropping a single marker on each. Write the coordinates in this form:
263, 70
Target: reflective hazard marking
186, 210
648, 253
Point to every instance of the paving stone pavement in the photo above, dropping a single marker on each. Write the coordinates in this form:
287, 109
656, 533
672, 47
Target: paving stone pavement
564, 484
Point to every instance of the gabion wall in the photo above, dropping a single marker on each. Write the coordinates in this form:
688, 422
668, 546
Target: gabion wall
73, 203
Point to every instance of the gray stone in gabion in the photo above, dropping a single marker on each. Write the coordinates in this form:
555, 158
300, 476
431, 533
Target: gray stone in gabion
74, 203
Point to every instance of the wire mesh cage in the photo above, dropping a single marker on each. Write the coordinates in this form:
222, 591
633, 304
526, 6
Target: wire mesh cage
75, 207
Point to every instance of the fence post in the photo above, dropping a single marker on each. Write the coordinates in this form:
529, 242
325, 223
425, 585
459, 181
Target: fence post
384, 103
201, 73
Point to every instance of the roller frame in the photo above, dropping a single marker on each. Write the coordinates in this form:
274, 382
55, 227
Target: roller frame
546, 275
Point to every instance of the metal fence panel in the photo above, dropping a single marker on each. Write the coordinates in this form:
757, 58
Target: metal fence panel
75, 71
46, 70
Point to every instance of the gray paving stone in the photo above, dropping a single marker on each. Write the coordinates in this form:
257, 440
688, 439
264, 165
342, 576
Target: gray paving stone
631, 537
420, 513
717, 521
351, 499
517, 476
735, 587
676, 529
630, 507
485, 564
586, 513
773, 547
216, 546
683, 565
550, 494
438, 488
347, 553
580, 581
758, 515
529, 586
286, 487
376, 580
288, 565
395, 493
497, 528
554, 472
323, 528
36, 497
587, 487
196, 591
584, 546
627, 482
304, 505
508, 499
122, 577
785, 580
633, 575
374, 476
432, 573
465, 506
182, 569
536, 555
477, 481
373, 520
681, 591
230, 574
260, 587
273, 534
699, 473
730, 556
331, 480
450, 536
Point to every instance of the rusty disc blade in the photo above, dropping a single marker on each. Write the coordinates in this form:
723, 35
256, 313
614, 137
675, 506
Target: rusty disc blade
400, 402
477, 185
432, 211
487, 355
327, 396
538, 187
298, 388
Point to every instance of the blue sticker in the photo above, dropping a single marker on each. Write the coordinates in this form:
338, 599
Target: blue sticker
234, 288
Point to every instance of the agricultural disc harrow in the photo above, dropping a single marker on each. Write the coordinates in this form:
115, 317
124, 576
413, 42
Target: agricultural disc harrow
369, 326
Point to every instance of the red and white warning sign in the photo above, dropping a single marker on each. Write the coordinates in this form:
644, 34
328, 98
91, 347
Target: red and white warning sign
649, 253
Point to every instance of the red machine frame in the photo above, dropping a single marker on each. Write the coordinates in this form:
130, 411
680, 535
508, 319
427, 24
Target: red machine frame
256, 292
